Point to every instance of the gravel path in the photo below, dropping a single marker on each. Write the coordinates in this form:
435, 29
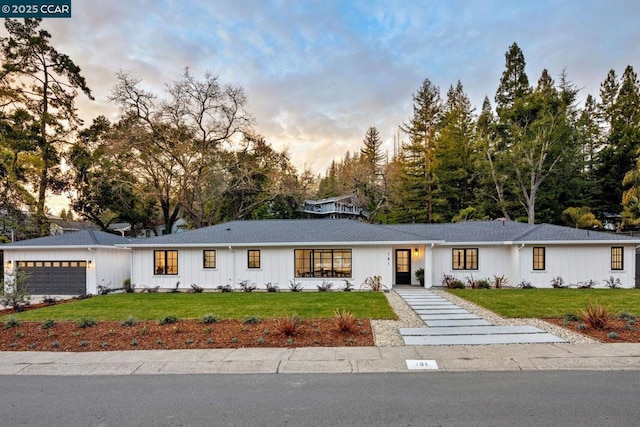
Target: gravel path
385, 332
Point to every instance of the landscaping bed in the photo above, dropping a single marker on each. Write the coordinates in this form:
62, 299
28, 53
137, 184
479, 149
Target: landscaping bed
184, 334
615, 331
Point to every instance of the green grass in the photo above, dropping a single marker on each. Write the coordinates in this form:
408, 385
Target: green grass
550, 302
372, 305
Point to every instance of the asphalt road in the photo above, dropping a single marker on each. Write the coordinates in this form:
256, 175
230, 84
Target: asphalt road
415, 399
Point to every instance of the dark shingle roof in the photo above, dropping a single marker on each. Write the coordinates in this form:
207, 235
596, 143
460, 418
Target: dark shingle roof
77, 238
505, 231
283, 231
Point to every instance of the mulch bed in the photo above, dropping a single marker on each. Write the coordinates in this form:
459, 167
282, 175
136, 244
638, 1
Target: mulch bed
185, 334
624, 331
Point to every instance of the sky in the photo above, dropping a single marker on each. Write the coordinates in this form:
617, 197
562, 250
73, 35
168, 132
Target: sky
318, 74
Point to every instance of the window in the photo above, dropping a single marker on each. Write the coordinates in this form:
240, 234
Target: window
322, 262
465, 259
538, 258
165, 263
209, 259
617, 258
253, 258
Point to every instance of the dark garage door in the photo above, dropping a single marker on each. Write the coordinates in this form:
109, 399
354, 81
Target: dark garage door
55, 277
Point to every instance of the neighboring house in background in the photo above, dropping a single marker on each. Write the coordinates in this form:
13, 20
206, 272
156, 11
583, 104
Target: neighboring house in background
311, 252
69, 264
334, 208
61, 226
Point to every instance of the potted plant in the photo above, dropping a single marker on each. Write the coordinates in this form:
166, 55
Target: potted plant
420, 276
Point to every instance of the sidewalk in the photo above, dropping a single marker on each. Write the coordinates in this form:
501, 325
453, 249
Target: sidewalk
333, 360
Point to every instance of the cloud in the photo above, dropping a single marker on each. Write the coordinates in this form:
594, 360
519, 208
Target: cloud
318, 74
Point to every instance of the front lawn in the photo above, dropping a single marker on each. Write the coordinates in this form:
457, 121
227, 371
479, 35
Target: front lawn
545, 303
311, 305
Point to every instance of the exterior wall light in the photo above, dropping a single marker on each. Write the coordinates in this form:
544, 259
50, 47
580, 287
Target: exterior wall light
416, 252
8, 265
89, 264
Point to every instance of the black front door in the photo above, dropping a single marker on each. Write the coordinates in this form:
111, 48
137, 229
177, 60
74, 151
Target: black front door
403, 266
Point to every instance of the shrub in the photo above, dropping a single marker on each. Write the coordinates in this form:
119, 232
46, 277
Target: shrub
208, 319
128, 286
625, 316
524, 284
175, 289
595, 315
325, 287
348, 286
84, 343
14, 292
287, 325
374, 283
152, 290
500, 282
484, 284
557, 282
134, 342
104, 344
571, 317
166, 320
250, 320
612, 335
11, 322
581, 327
613, 283
82, 296
49, 300
420, 276
55, 344
451, 282
472, 283
196, 289
210, 341
295, 286
86, 322
225, 288
271, 287
49, 323
104, 289
590, 284
246, 286
345, 322
129, 321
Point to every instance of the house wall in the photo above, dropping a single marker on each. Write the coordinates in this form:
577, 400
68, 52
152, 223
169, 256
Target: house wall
277, 267
107, 265
577, 264
110, 267
492, 260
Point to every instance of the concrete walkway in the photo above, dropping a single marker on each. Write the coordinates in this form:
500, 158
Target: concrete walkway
450, 324
334, 360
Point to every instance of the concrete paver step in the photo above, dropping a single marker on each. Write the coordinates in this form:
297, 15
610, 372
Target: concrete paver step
481, 339
470, 322
463, 316
471, 330
441, 311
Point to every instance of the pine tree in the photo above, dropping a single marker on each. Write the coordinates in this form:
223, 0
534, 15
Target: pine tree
44, 82
419, 183
456, 154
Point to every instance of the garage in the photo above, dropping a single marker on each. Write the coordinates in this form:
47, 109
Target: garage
55, 277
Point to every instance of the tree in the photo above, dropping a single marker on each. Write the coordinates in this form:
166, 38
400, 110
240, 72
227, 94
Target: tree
514, 83
43, 82
580, 217
419, 183
619, 153
456, 154
178, 142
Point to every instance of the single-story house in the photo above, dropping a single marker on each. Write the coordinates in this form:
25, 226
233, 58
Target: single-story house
311, 252
70, 263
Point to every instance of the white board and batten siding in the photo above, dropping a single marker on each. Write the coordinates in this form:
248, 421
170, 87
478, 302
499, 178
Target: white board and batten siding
492, 260
277, 266
578, 264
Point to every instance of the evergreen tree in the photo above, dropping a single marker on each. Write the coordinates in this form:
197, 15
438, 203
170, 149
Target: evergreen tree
43, 82
419, 183
456, 155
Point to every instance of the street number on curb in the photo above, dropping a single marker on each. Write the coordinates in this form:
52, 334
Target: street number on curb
422, 364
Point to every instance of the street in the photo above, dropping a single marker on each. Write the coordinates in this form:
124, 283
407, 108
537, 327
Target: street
414, 399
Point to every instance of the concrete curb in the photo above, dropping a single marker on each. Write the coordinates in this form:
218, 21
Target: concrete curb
328, 360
